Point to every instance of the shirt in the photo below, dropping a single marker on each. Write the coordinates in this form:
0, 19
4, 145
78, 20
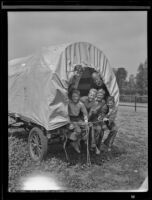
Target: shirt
88, 104
99, 109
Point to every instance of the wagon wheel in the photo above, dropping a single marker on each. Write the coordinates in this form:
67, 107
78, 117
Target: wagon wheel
37, 143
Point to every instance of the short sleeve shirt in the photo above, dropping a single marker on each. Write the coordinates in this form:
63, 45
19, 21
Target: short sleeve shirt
87, 103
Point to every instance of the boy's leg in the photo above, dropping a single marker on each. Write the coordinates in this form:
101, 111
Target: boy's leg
98, 137
76, 142
110, 139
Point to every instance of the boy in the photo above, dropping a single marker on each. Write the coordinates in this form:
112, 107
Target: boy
75, 107
109, 120
98, 110
90, 99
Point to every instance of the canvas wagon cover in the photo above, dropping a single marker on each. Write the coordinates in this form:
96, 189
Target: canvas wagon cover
38, 83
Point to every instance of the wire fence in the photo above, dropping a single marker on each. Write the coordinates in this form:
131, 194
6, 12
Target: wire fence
134, 101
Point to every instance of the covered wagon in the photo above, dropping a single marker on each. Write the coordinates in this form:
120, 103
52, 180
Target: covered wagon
38, 89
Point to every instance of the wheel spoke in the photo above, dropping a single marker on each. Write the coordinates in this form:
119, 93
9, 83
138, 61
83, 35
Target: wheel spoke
32, 138
35, 139
36, 146
32, 144
39, 141
38, 151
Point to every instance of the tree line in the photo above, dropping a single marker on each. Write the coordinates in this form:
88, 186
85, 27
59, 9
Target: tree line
136, 84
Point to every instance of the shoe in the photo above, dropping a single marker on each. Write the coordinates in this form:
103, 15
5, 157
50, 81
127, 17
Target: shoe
75, 146
97, 151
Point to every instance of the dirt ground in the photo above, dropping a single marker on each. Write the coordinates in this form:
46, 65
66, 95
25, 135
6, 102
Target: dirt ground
124, 168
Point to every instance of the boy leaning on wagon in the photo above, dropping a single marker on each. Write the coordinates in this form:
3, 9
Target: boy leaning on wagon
90, 99
75, 107
109, 120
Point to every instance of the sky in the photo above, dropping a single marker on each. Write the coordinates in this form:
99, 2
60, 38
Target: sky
121, 35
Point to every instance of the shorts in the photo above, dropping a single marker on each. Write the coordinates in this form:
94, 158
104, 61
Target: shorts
76, 121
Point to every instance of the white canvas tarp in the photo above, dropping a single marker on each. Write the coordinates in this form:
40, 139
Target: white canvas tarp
38, 83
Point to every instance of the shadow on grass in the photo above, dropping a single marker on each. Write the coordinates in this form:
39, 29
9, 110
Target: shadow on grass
19, 133
56, 150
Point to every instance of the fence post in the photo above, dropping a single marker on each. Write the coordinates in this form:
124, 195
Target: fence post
135, 103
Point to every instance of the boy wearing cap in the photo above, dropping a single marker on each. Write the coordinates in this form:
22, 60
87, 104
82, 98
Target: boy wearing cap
109, 120
75, 107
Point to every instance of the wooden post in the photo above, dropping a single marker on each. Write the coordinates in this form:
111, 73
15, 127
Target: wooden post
135, 103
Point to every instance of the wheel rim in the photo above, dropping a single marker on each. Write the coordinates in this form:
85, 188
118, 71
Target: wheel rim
35, 146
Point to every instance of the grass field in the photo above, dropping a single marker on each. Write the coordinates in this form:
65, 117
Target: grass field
124, 168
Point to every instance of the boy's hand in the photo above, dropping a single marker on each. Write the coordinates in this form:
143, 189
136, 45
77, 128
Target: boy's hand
100, 117
86, 120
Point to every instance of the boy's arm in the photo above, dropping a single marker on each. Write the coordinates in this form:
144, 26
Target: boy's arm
90, 113
84, 111
69, 109
111, 116
83, 99
93, 110
103, 113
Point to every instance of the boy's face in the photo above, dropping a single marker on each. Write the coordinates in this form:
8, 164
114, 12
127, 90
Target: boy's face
75, 97
110, 103
91, 96
100, 96
97, 80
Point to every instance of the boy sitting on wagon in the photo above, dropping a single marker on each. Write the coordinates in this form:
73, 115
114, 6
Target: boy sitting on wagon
75, 107
89, 102
98, 110
90, 99
109, 120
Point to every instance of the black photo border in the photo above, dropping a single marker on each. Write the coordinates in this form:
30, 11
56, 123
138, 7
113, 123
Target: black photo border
15, 6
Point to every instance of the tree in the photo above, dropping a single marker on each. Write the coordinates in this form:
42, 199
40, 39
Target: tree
121, 75
132, 84
145, 78
141, 79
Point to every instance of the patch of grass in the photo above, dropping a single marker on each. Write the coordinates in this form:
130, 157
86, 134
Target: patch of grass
124, 168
